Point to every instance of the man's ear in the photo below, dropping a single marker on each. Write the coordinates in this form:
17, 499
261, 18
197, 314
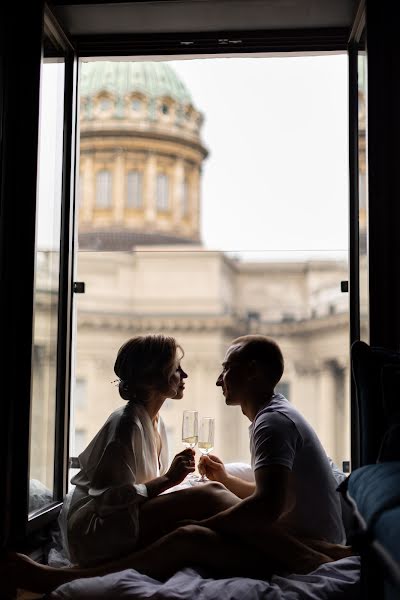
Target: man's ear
253, 369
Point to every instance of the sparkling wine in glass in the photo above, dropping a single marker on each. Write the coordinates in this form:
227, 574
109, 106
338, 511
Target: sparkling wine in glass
206, 437
190, 422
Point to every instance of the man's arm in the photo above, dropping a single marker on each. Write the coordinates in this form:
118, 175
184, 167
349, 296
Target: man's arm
213, 468
272, 498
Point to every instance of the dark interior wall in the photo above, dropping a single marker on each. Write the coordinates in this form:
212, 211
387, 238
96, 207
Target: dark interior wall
20, 60
384, 181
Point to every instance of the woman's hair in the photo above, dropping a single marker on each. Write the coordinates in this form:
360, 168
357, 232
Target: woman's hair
143, 363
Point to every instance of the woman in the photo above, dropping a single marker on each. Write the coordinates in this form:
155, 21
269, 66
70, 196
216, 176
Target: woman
116, 505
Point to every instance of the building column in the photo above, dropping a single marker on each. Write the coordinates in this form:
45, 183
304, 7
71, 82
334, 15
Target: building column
88, 190
118, 188
194, 201
150, 173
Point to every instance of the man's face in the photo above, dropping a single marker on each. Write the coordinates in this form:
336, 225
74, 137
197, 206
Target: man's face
233, 378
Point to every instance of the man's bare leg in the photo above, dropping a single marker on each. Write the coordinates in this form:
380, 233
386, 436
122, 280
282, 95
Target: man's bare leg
298, 555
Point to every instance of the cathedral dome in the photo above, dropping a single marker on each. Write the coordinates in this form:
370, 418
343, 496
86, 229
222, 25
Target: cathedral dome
149, 93
152, 79
140, 157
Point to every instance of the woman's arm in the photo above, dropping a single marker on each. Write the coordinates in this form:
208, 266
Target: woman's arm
181, 466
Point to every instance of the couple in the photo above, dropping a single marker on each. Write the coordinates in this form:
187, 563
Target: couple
288, 520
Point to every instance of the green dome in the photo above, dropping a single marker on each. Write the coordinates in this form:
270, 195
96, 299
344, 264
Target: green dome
153, 79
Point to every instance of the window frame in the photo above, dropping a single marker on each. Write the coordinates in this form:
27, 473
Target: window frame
355, 41
15, 523
64, 342
18, 237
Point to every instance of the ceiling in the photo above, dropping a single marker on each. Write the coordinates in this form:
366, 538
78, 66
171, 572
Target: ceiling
174, 16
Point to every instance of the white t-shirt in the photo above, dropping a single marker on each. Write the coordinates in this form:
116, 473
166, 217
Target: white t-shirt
280, 435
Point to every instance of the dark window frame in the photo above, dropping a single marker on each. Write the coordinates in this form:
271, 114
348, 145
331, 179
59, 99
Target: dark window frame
356, 38
18, 238
16, 443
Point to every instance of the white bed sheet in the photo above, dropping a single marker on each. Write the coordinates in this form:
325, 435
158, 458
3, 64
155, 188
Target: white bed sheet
334, 581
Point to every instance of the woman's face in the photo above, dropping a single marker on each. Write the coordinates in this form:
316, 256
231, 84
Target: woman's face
176, 382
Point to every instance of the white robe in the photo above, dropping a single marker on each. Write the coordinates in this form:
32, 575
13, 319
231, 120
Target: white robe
103, 518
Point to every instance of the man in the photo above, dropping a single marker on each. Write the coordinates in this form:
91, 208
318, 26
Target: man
288, 520
294, 485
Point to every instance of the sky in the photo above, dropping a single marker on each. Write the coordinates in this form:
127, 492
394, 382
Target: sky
275, 184
276, 179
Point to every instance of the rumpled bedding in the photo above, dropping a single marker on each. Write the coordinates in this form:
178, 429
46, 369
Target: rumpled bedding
332, 581
338, 580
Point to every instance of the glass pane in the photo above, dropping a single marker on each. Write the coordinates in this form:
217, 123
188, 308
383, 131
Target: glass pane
134, 190
260, 248
363, 194
47, 281
226, 297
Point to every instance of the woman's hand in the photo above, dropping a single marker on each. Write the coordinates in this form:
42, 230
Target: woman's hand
212, 467
182, 464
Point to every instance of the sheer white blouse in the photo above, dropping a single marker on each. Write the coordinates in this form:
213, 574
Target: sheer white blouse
103, 518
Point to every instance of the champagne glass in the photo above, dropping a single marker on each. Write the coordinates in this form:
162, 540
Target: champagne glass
190, 421
206, 437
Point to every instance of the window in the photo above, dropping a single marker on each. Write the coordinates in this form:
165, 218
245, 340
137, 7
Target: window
105, 104
103, 189
136, 105
162, 192
252, 289
80, 396
80, 441
253, 315
185, 198
134, 190
47, 280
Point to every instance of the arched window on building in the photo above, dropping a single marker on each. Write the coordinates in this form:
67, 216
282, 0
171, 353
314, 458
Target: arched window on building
134, 198
185, 197
162, 192
103, 189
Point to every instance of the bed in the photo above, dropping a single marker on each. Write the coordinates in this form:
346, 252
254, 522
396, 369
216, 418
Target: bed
339, 580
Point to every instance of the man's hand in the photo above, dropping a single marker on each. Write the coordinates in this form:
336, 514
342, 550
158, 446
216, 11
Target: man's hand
212, 467
182, 464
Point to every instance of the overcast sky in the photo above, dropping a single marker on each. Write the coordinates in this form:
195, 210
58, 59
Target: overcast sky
276, 181
277, 175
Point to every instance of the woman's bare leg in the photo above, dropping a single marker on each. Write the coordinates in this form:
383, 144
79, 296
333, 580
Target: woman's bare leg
191, 545
164, 513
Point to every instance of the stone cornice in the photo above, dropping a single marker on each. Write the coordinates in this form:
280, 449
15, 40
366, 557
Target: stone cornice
203, 322
147, 136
